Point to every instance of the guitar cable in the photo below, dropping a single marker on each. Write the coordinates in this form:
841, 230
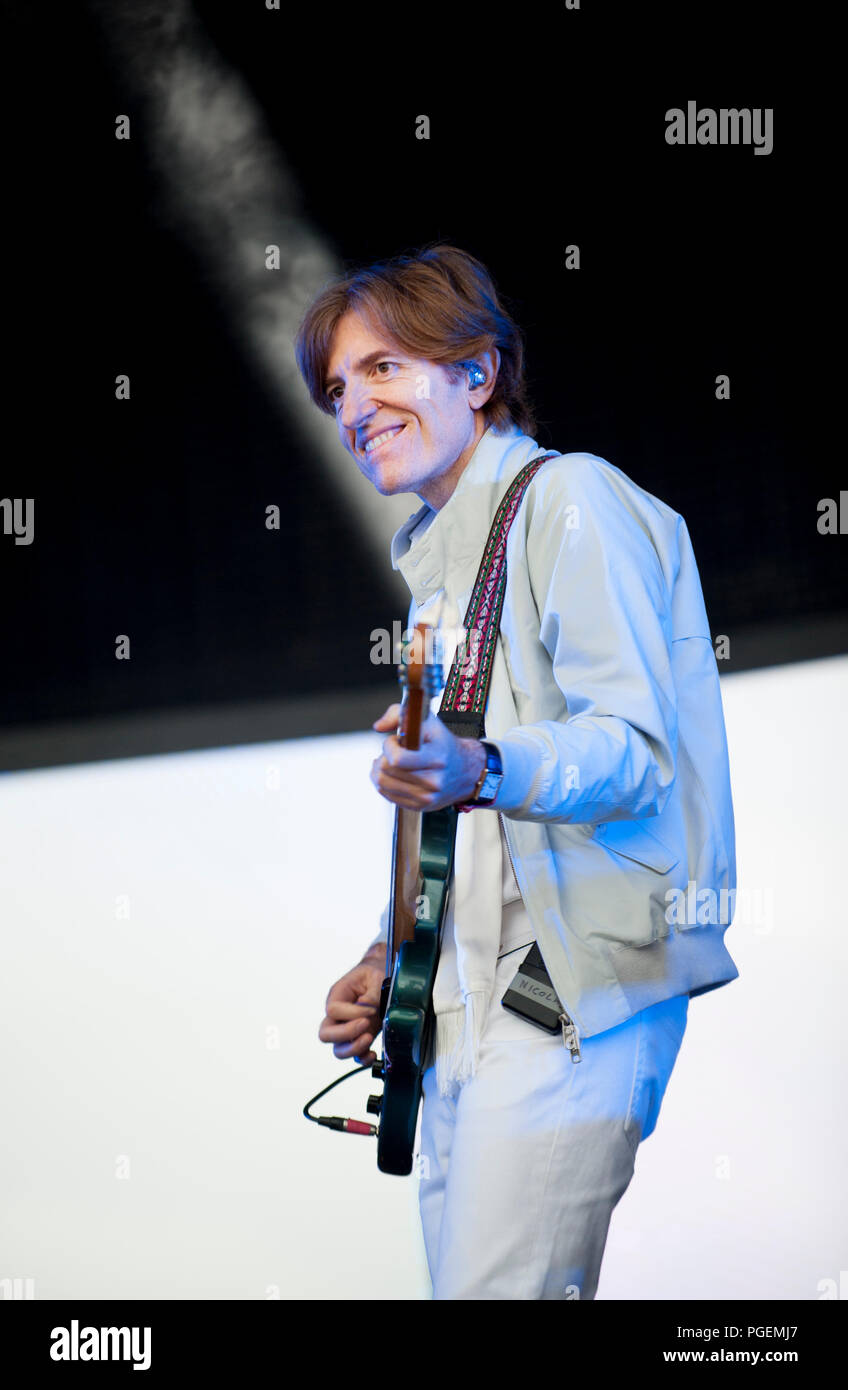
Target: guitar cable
340, 1121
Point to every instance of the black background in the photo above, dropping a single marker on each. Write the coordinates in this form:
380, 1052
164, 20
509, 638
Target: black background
547, 128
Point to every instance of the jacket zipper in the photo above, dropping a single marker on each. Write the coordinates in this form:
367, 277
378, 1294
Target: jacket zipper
570, 1037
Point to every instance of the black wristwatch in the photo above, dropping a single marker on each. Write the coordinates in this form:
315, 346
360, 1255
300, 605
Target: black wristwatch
489, 783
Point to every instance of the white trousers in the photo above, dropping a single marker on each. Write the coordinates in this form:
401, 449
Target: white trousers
521, 1167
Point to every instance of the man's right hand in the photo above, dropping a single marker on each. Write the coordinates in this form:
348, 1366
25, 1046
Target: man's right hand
352, 1020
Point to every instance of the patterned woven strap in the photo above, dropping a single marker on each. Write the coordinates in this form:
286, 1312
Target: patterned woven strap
466, 690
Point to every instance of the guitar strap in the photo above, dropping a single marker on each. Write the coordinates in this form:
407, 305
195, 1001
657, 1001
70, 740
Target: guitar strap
463, 705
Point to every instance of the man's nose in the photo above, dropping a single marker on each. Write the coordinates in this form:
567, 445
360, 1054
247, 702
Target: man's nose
357, 406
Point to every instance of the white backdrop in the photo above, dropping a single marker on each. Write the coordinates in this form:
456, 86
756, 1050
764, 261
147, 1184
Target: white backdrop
170, 928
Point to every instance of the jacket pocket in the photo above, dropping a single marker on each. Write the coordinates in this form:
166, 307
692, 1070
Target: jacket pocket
633, 840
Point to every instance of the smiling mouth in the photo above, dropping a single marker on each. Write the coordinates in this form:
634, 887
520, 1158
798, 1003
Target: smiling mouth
381, 440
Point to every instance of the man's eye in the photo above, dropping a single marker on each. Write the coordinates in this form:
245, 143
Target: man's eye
332, 396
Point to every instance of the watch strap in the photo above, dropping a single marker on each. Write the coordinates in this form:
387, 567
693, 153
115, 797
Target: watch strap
492, 769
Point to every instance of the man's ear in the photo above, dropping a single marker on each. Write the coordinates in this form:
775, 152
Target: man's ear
490, 363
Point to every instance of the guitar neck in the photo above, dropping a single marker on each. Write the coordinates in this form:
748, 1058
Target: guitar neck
407, 830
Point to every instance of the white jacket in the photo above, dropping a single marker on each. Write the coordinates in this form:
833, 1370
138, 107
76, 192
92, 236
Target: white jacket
605, 707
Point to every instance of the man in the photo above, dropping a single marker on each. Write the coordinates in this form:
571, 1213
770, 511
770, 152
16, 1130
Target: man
609, 840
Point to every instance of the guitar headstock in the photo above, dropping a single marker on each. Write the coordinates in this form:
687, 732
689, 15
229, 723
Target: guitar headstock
421, 674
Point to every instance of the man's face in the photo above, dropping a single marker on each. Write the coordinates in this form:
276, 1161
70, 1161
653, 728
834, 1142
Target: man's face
430, 425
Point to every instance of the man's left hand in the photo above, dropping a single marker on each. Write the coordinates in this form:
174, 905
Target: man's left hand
442, 772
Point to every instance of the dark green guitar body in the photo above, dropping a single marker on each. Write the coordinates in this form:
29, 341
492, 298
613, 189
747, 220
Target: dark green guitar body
408, 1017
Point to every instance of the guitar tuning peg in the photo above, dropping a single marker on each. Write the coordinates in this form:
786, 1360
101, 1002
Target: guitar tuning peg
401, 653
434, 679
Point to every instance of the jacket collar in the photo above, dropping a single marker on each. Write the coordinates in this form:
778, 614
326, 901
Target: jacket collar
449, 546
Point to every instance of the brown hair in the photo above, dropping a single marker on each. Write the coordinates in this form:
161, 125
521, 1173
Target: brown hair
439, 304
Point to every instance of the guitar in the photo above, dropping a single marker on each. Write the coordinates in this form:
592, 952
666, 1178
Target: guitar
422, 855
422, 863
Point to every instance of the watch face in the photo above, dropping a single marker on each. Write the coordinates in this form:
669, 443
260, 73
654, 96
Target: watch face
489, 789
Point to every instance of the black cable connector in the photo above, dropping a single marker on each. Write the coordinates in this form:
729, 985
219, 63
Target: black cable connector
349, 1126
339, 1121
